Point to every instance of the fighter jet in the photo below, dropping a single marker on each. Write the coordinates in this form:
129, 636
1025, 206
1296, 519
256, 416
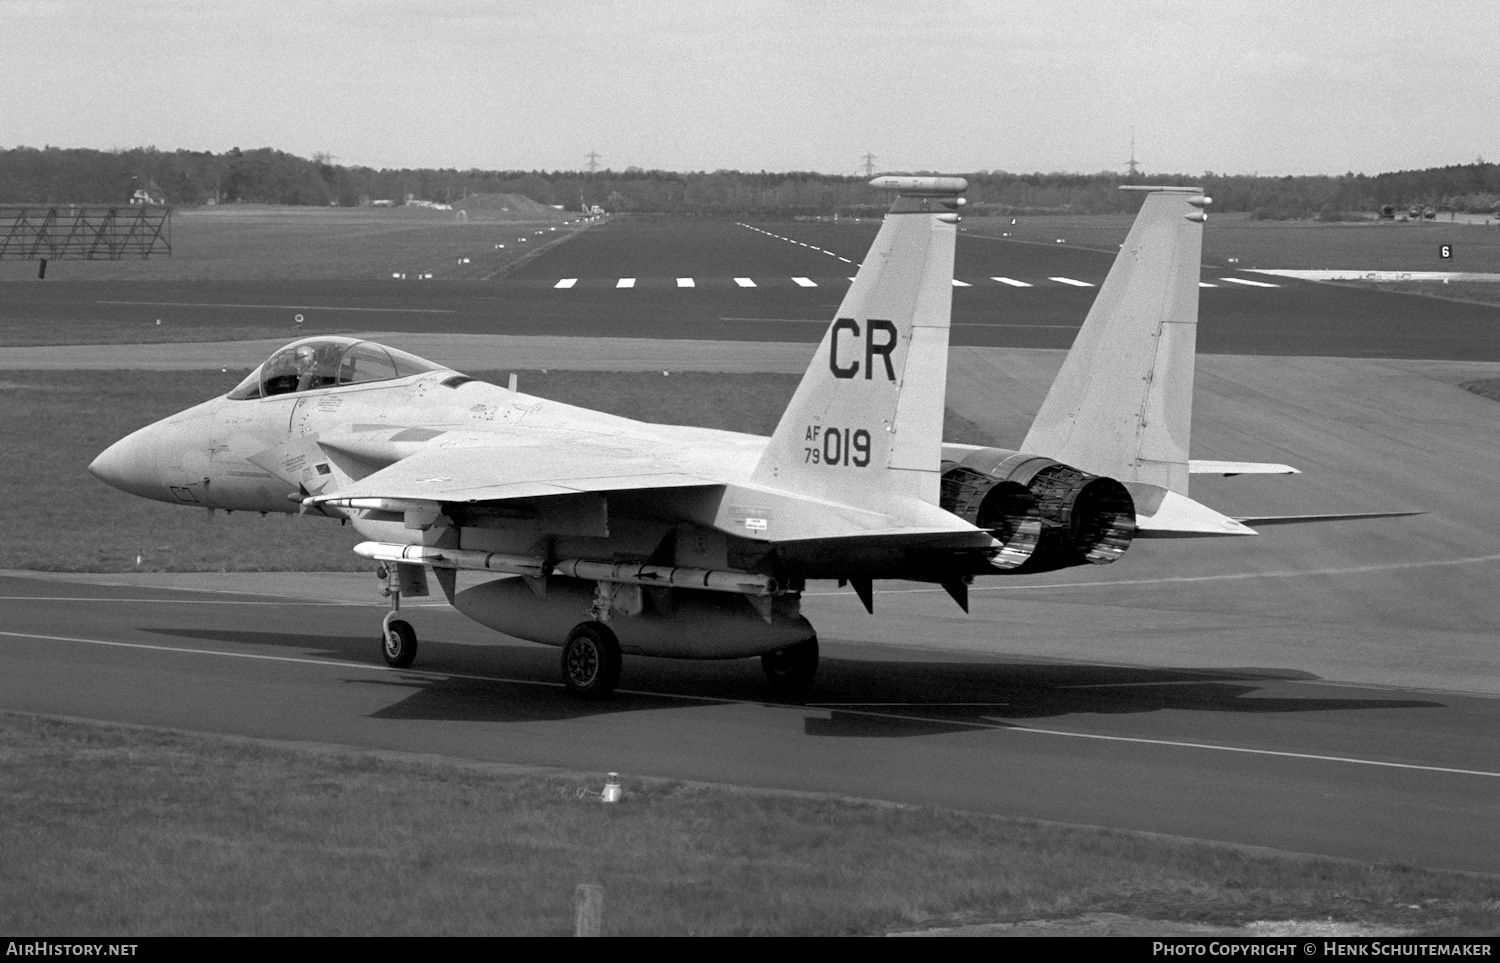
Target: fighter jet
607, 536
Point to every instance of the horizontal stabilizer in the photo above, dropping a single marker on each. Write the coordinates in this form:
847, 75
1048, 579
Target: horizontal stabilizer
1198, 466
1178, 516
1336, 517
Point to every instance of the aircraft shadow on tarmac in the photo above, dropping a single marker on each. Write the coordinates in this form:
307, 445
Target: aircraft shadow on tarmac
867, 697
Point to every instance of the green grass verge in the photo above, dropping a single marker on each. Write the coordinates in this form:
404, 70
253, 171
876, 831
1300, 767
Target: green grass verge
63, 519
115, 830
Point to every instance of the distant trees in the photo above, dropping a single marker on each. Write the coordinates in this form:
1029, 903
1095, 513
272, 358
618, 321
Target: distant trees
54, 175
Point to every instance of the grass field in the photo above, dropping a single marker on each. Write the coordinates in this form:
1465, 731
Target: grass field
252, 242
63, 519
113, 831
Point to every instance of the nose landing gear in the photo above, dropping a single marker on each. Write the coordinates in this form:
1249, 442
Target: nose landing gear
398, 640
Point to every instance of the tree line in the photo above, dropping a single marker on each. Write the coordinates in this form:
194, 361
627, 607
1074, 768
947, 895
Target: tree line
55, 175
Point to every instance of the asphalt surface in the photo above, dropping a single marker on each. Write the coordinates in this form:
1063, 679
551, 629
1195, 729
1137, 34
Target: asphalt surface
1322, 688
1251, 755
1292, 318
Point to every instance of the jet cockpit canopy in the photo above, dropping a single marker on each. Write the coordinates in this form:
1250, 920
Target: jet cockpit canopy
328, 362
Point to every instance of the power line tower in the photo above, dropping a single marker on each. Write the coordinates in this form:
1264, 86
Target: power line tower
593, 157
869, 165
1133, 165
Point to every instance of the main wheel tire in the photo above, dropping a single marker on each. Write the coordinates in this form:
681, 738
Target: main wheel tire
398, 644
591, 661
793, 667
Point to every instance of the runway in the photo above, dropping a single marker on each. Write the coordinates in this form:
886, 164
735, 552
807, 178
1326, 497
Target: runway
1266, 757
1294, 318
1326, 689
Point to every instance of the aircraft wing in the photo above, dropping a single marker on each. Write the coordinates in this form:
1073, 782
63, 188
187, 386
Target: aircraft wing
488, 474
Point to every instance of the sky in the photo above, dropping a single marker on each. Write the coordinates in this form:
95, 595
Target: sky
1252, 86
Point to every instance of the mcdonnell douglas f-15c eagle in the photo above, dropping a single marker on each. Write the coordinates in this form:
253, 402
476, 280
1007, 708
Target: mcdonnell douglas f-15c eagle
618, 536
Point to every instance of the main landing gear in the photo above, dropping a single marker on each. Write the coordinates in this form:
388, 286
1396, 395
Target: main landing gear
591, 661
793, 667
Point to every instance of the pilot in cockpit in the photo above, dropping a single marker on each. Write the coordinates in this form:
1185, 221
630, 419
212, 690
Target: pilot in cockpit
303, 368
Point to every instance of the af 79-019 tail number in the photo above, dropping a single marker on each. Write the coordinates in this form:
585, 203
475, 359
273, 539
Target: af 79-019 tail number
836, 446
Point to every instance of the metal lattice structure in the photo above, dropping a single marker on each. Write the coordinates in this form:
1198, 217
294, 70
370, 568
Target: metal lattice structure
84, 232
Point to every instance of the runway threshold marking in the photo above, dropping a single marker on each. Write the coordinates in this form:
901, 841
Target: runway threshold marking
841, 707
279, 307
566, 283
744, 282
1071, 281
1250, 283
805, 282
1012, 282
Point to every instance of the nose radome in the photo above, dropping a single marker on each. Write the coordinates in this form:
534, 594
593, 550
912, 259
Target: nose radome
129, 465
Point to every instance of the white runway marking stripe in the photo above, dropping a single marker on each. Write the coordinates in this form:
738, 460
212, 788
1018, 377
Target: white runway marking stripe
1250, 283
1205, 284
1073, 281
805, 282
961, 284
1000, 727
625, 283
566, 283
1012, 282
744, 282
685, 282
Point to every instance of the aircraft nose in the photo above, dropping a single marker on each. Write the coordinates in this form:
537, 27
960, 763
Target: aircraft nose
129, 465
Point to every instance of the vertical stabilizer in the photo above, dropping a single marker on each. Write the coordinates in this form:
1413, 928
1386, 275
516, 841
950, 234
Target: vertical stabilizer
866, 423
1122, 404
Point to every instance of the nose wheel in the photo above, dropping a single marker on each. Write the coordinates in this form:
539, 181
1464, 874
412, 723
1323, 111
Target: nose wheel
398, 643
